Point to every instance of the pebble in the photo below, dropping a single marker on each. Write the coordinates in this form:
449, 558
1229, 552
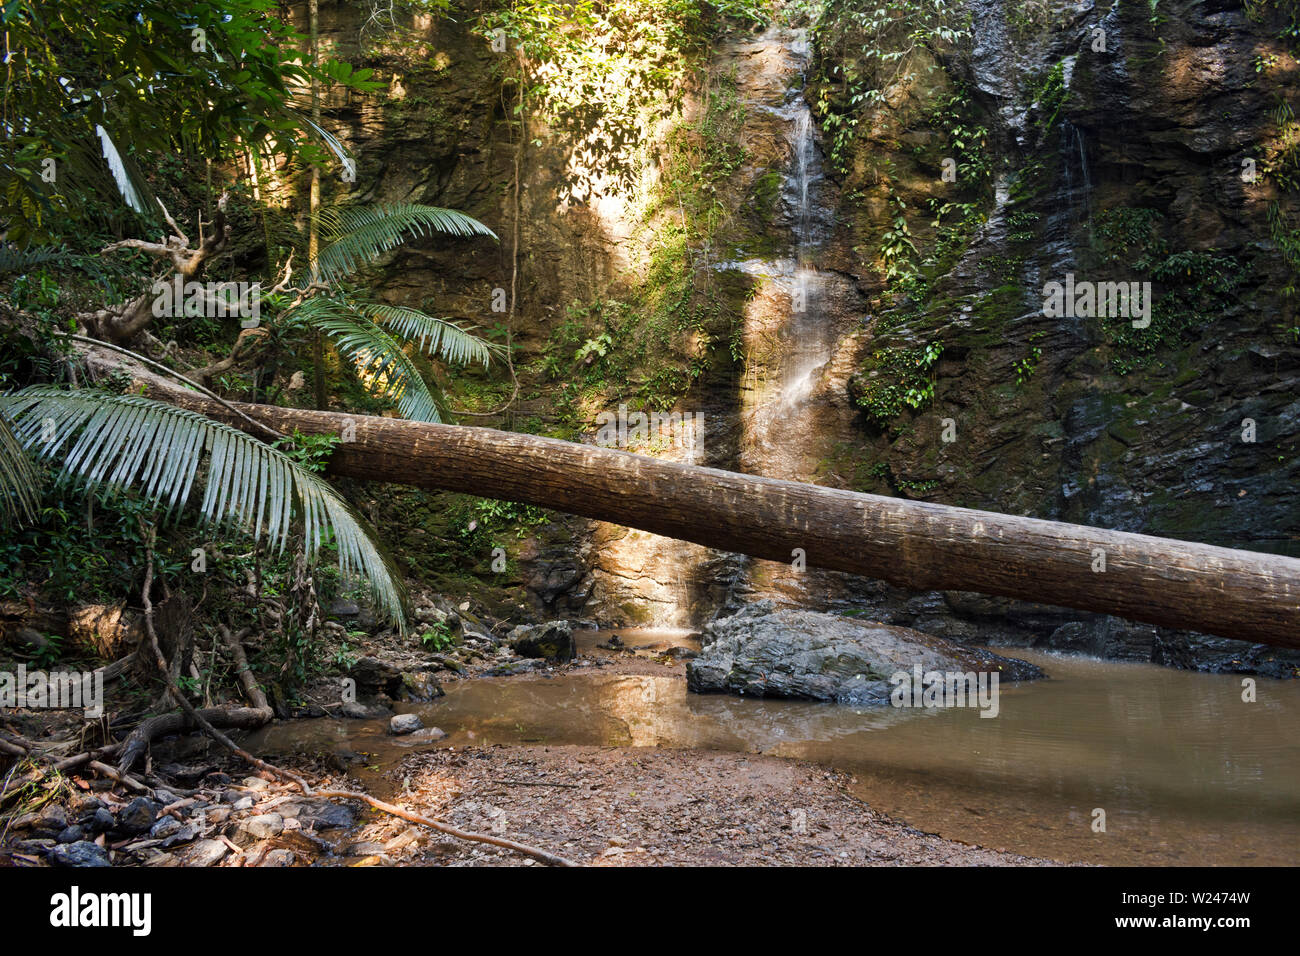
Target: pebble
82, 853
184, 835
429, 733
52, 818
165, 827
325, 816
203, 853
263, 826
101, 821
136, 817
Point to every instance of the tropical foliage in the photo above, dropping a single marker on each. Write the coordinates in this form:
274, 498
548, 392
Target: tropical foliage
159, 450
93, 94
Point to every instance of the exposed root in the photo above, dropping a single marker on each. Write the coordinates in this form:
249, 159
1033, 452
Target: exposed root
258, 699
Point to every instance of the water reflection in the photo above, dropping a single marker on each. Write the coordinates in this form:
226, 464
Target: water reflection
1184, 769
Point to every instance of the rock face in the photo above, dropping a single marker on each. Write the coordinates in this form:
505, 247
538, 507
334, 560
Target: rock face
374, 676
803, 654
1122, 165
552, 642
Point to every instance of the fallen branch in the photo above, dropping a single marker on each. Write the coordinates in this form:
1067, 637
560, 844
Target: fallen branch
257, 697
123, 778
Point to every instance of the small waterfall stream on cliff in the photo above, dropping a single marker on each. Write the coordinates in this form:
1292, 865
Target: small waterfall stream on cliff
775, 425
791, 330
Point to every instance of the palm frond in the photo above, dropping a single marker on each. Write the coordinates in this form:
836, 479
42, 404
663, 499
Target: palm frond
441, 337
354, 235
157, 449
380, 363
321, 133
14, 259
126, 174
19, 481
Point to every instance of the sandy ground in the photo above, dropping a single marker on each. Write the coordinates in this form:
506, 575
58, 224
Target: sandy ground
641, 807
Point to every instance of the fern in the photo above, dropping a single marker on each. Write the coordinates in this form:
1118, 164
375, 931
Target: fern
354, 235
13, 259
157, 449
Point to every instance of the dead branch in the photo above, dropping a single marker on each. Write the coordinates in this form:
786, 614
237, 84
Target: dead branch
256, 696
247, 345
122, 778
123, 322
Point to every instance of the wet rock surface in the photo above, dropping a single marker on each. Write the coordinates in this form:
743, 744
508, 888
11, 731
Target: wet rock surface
405, 724
765, 652
552, 642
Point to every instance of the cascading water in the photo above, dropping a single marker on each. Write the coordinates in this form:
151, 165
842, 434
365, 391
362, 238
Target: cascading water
791, 330
775, 422
776, 426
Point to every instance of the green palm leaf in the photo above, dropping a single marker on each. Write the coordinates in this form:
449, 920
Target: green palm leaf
354, 235
451, 342
325, 136
383, 367
129, 441
18, 479
13, 259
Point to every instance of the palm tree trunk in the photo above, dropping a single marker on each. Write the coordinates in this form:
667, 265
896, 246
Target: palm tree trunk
313, 233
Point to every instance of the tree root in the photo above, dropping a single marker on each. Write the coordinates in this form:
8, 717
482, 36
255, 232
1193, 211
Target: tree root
258, 699
128, 751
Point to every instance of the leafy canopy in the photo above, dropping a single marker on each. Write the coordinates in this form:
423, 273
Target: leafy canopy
92, 91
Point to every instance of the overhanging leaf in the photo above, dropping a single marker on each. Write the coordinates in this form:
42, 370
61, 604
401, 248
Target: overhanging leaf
127, 441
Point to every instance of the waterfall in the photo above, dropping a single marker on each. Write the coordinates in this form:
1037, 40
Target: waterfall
1074, 149
783, 429
804, 148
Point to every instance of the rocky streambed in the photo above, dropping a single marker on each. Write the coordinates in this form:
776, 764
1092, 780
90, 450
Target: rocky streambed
598, 750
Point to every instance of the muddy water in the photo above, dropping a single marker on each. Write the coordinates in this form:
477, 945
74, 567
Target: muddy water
1186, 772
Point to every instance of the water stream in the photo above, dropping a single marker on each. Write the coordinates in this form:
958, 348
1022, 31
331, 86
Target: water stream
776, 420
1186, 772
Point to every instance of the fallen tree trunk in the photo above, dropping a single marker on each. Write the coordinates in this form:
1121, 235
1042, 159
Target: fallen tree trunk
1237, 594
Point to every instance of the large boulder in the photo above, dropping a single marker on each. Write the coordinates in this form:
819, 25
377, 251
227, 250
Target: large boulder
765, 652
552, 642
374, 676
